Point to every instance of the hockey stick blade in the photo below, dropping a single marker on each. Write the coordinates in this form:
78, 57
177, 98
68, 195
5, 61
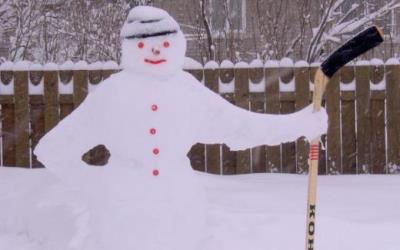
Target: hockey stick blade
361, 43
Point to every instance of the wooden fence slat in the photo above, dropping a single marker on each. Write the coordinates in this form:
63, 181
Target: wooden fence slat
22, 145
378, 140
272, 107
213, 152
80, 86
66, 105
197, 152
51, 104
37, 113
229, 161
349, 150
333, 143
8, 134
393, 117
288, 150
242, 100
257, 104
302, 83
363, 119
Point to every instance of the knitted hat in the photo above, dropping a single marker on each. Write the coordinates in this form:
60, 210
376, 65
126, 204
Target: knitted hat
146, 21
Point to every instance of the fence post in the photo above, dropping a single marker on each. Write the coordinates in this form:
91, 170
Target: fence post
302, 83
287, 100
8, 122
257, 104
272, 107
37, 113
242, 100
22, 147
333, 140
363, 119
80, 86
349, 150
213, 152
229, 158
393, 117
378, 141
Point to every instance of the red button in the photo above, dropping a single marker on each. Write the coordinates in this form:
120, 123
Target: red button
154, 107
156, 172
153, 131
156, 151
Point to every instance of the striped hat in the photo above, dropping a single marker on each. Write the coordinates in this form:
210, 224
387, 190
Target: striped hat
146, 21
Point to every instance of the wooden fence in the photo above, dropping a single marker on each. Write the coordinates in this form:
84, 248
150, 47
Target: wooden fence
362, 102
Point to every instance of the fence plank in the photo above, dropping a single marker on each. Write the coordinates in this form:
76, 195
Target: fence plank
242, 100
213, 152
333, 142
80, 86
66, 105
378, 140
22, 147
8, 133
393, 117
288, 150
257, 104
37, 113
363, 119
197, 152
349, 150
229, 161
51, 104
272, 107
302, 83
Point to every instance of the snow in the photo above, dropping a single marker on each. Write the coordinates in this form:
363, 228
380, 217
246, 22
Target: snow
22, 66
68, 65
7, 89
256, 63
271, 64
286, 62
241, 65
226, 87
226, 64
301, 64
95, 66
190, 63
257, 211
36, 67
348, 86
362, 63
376, 62
6, 66
211, 65
80, 65
50, 67
392, 61
111, 65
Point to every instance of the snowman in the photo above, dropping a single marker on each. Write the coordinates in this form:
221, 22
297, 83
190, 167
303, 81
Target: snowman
149, 115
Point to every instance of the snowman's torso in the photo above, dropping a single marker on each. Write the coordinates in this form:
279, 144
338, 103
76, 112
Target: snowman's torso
156, 121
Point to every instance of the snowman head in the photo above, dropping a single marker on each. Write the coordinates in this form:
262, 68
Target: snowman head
153, 44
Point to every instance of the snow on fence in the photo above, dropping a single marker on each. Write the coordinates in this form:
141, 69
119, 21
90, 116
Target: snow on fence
362, 102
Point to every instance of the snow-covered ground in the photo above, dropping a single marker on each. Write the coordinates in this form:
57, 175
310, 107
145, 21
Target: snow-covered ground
258, 211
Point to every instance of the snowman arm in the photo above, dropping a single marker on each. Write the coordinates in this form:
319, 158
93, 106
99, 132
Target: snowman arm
61, 149
240, 129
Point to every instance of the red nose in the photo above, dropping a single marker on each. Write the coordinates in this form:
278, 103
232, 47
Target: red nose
156, 52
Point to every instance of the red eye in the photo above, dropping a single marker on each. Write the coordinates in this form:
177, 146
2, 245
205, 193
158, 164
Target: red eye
166, 44
140, 45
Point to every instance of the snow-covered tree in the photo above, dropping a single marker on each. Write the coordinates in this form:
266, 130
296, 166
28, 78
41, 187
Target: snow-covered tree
341, 19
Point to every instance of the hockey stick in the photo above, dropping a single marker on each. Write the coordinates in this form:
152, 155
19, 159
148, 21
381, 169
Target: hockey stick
356, 46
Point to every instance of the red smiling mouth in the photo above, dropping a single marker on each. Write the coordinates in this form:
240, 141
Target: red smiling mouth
155, 62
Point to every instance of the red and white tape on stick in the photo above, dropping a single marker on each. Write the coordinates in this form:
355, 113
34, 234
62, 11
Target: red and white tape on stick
314, 151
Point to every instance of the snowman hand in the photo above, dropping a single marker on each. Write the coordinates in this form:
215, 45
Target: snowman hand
316, 123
